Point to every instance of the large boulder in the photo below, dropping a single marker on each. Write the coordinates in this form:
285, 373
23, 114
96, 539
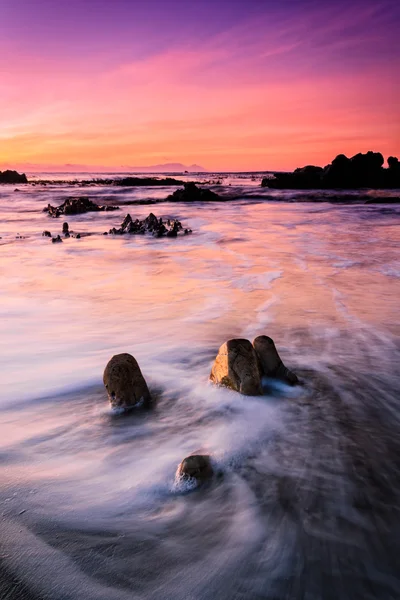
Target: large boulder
270, 363
192, 193
124, 382
338, 173
393, 163
236, 367
393, 172
197, 467
366, 169
12, 177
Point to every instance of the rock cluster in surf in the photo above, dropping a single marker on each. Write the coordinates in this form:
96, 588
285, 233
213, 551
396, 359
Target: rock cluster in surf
157, 227
359, 171
66, 233
240, 365
76, 206
12, 177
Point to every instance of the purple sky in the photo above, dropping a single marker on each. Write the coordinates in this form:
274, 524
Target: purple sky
325, 57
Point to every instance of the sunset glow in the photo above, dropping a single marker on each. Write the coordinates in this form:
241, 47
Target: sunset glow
263, 86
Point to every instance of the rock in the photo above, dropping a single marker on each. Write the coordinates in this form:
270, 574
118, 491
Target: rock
360, 171
56, 240
383, 200
147, 181
124, 382
192, 193
65, 228
195, 467
46, 234
308, 177
151, 224
76, 206
12, 177
236, 367
393, 172
270, 363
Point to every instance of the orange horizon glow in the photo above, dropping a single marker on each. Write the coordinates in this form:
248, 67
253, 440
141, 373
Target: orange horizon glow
219, 105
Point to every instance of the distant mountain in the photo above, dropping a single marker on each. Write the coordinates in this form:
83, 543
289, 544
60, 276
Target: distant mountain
168, 168
76, 168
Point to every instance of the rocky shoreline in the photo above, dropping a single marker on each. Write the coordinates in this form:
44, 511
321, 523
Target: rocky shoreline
358, 172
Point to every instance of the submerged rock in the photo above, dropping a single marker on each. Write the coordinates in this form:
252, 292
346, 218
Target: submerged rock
76, 206
270, 363
197, 467
124, 382
46, 234
360, 171
192, 193
12, 177
236, 367
56, 240
151, 224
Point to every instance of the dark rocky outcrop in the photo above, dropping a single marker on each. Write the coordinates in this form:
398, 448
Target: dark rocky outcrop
124, 382
196, 467
192, 193
12, 177
236, 367
76, 206
46, 234
151, 224
360, 171
147, 181
270, 363
383, 200
56, 240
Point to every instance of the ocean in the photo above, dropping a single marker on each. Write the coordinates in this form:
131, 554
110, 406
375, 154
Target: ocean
307, 504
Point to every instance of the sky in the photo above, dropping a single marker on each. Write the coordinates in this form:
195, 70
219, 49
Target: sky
230, 85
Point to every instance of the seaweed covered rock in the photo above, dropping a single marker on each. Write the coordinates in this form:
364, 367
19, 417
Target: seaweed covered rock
12, 177
270, 363
124, 382
197, 467
76, 206
153, 225
236, 367
192, 193
362, 170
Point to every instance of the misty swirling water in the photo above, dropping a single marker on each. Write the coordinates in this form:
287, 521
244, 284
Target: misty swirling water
308, 502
